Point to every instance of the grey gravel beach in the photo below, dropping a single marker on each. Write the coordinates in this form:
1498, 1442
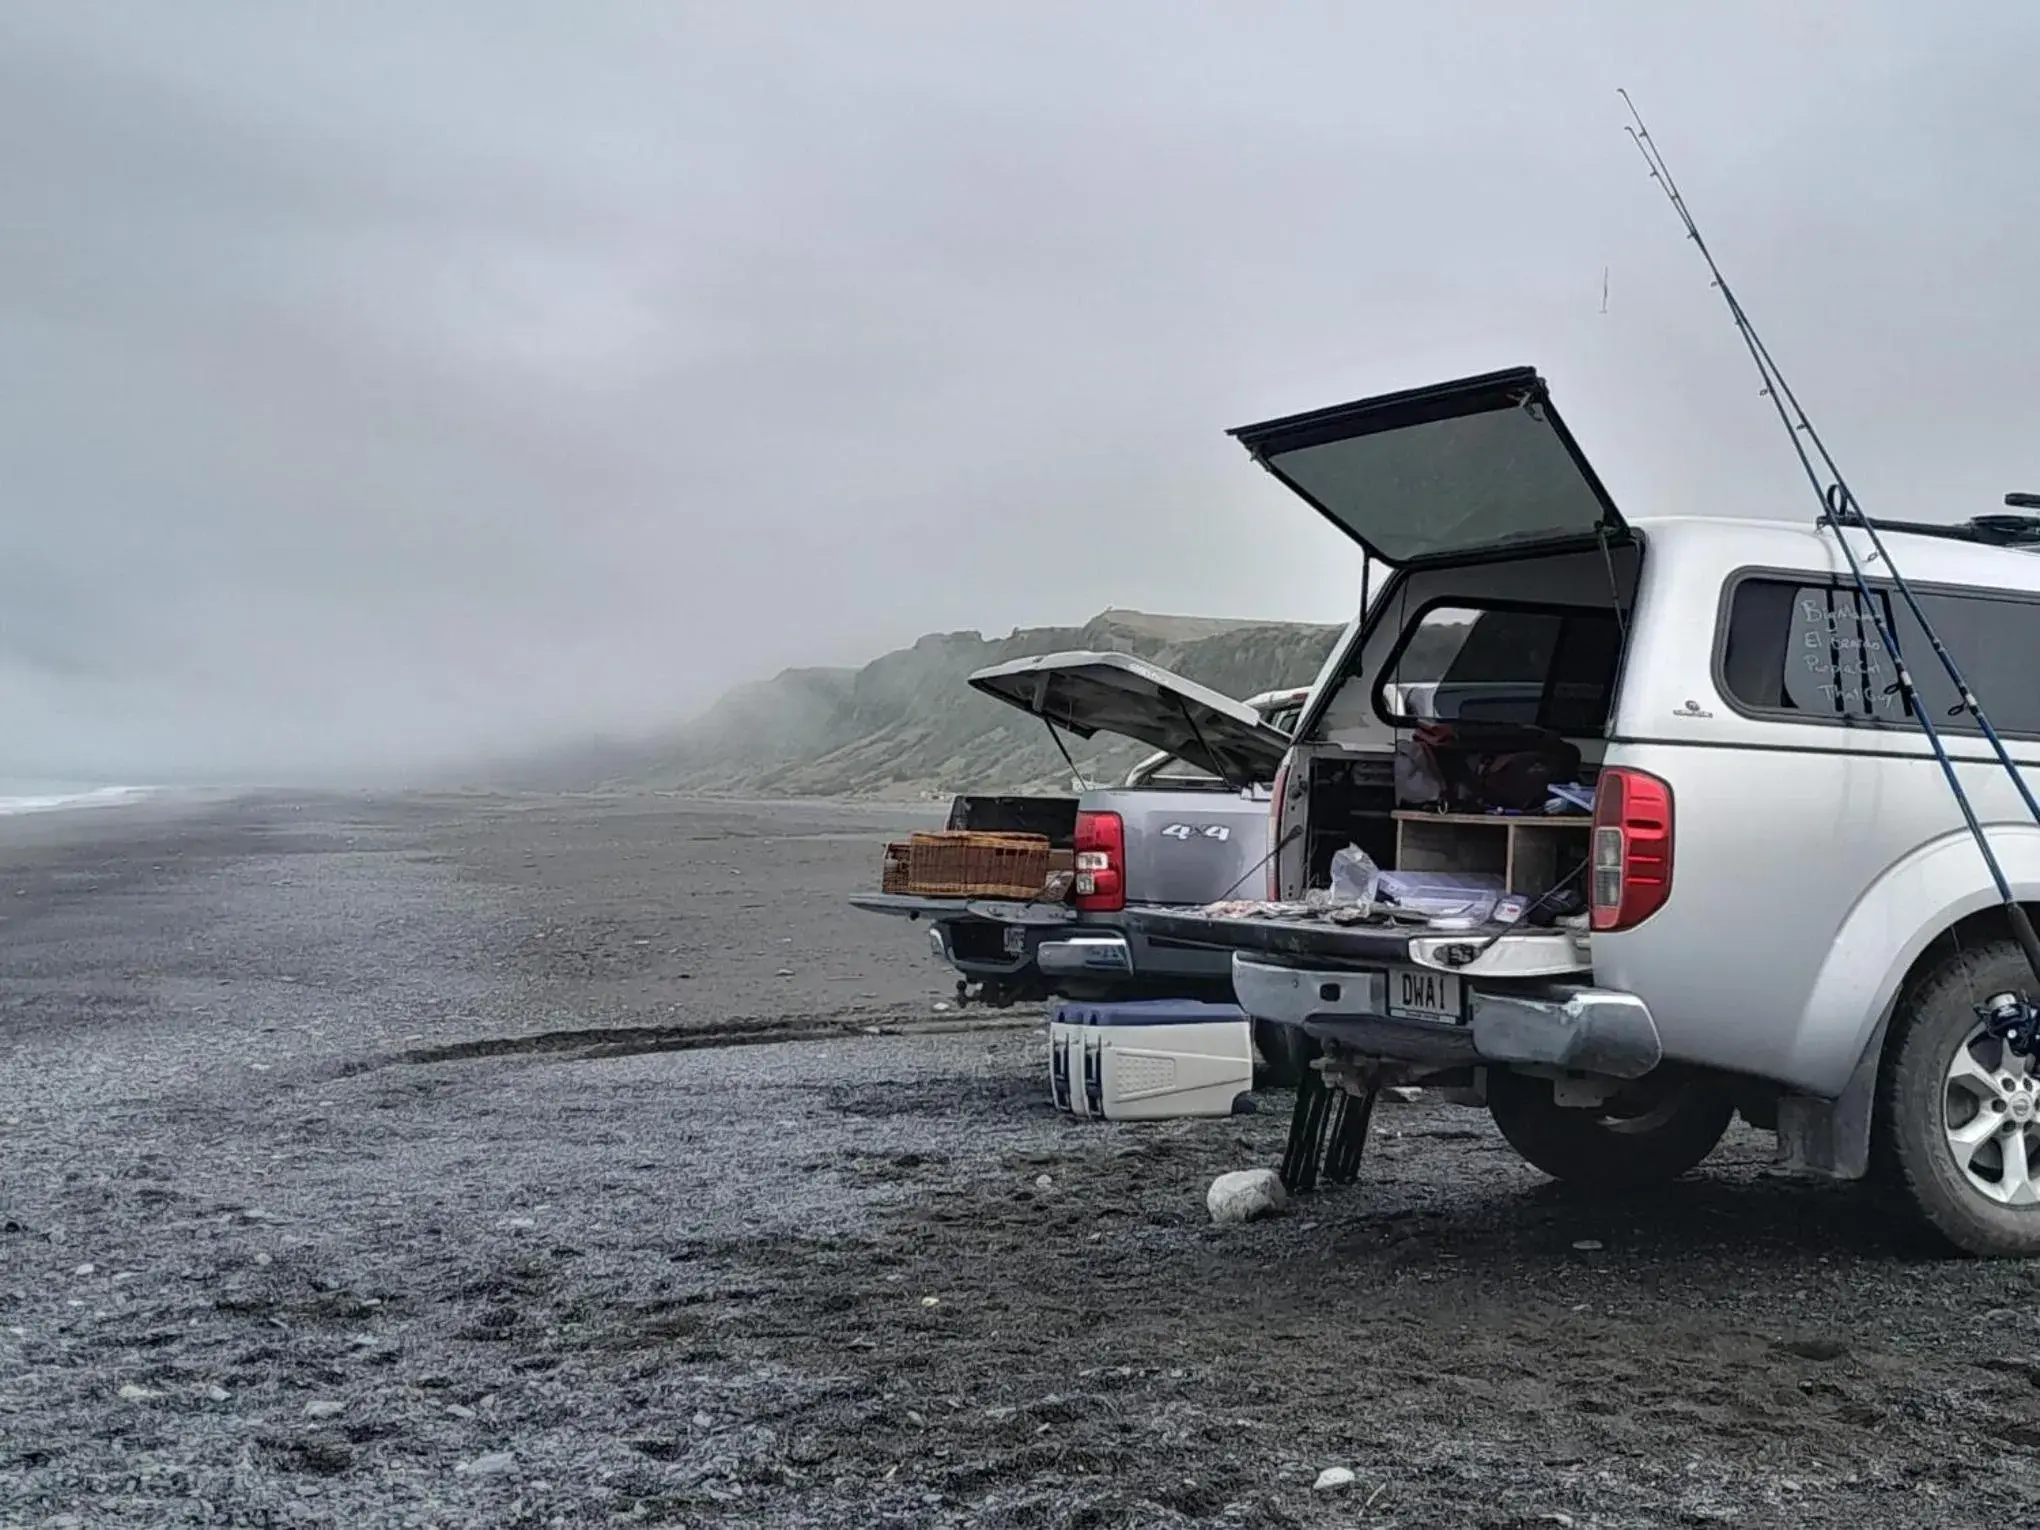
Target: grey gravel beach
532, 1161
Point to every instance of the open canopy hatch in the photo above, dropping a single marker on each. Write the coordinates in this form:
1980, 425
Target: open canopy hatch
1454, 473
1091, 693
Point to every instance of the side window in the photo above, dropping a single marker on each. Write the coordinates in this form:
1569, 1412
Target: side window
1547, 666
1996, 643
1815, 649
1812, 649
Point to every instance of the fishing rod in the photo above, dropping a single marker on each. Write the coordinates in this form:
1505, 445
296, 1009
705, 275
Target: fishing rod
2010, 1017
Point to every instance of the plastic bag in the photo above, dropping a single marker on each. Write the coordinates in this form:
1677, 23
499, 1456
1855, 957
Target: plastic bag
1355, 877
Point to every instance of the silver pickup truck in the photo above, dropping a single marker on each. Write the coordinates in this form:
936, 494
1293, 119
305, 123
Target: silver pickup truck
1188, 826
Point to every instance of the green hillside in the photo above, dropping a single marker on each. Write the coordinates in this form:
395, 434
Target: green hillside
906, 726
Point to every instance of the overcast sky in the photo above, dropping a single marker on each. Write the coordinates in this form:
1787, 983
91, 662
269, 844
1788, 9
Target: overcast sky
383, 382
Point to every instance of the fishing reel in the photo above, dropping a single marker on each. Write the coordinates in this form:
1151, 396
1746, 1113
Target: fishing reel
2010, 1019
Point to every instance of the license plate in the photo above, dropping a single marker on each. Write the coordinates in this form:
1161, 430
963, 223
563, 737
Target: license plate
1418, 993
1016, 939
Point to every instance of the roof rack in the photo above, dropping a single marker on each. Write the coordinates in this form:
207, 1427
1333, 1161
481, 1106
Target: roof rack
2021, 531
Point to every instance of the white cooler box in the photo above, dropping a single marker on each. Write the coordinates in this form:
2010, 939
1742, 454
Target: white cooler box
1151, 1060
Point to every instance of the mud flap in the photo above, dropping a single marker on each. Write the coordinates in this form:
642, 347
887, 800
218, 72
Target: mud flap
1831, 1138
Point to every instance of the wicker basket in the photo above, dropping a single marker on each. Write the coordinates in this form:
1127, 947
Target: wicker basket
961, 864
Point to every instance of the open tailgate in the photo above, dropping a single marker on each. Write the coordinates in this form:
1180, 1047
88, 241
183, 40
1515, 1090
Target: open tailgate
1527, 953
1334, 944
997, 910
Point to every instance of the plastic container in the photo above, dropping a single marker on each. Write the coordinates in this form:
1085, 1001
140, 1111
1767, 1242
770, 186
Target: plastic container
1149, 1059
1469, 895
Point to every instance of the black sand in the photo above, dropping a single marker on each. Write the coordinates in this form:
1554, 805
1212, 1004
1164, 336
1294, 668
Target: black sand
490, 1161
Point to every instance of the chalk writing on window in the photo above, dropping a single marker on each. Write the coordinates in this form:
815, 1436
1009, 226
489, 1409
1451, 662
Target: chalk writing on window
1835, 662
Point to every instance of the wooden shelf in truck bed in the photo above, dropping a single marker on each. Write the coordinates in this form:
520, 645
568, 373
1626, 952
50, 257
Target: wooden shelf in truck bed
1531, 851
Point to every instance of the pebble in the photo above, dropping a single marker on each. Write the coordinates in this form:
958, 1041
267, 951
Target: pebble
494, 1464
133, 1393
1044, 1182
784, 972
1590, 1245
460, 1410
1245, 1195
85, 1269
324, 1407
264, 1260
215, 1394
1333, 1479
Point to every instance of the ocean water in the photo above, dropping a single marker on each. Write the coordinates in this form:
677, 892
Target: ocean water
46, 796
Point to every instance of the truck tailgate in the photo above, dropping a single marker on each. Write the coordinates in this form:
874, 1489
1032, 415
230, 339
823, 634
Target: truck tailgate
1489, 953
997, 910
1335, 945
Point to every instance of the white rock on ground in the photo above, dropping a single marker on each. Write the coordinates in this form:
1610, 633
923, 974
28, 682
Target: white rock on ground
1332, 1479
324, 1408
494, 1464
1245, 1195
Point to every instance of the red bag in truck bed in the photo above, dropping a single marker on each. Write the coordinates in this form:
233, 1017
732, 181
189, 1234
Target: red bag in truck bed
1497, 765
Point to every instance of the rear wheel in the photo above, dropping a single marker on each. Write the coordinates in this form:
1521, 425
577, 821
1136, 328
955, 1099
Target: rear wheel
1958, 1112
1653, 1131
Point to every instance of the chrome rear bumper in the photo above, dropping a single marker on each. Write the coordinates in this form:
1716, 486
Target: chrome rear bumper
1077, 955
1560, 1025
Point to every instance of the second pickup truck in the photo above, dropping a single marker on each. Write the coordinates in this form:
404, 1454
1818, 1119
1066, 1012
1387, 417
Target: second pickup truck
1188, 826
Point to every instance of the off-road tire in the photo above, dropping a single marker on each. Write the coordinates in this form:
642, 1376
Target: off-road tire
1909, 1146
1283, 1054
1602, 1149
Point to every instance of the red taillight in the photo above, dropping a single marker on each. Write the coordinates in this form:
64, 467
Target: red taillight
1101, 862
1275, 831
1632, 848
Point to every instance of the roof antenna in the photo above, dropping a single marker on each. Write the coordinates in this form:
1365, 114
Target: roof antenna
2009, 1017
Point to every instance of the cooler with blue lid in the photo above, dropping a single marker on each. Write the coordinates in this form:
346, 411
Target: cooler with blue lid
1149, 1059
